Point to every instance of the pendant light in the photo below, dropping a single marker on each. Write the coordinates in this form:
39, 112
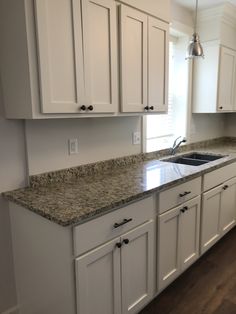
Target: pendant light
195, 49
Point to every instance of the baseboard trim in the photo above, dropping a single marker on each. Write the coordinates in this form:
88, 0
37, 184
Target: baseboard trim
13, 310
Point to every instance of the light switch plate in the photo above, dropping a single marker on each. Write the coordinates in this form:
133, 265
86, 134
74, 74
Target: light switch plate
73, 146
136, 138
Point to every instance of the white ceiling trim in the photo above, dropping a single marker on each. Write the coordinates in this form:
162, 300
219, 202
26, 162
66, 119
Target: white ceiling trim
203, 4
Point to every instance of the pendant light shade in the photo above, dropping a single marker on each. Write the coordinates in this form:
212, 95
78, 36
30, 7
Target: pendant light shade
195, 49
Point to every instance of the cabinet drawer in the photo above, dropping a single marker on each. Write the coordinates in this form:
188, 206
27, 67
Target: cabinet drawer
102, 229
179, 194
216, 177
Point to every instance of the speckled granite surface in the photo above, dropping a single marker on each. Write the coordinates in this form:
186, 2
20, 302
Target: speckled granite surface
75, 195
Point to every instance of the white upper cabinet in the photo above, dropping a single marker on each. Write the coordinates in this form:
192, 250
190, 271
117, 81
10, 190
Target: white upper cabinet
60, 55
227, 79
65, 54
214, 80
144, 62
100, 54
157, 8
65, 86
158, 61
215, 75
133, 59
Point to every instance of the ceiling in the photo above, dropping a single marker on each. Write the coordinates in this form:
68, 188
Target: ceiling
190, 4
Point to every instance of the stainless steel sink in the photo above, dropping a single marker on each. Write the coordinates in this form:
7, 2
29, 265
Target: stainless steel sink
205, 157
194, 159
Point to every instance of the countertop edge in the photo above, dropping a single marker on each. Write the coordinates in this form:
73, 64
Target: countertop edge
114, 206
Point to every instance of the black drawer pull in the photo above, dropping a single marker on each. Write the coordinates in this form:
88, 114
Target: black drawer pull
225, 187
183, 210
125, 221
184, 194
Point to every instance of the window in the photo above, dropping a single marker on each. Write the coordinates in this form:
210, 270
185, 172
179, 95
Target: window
161, 130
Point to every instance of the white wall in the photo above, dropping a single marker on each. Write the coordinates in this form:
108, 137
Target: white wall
206, 126
99, 139
12, 176
230, 124
181, 14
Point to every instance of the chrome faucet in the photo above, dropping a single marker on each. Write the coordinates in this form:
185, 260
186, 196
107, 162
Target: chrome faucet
177, 144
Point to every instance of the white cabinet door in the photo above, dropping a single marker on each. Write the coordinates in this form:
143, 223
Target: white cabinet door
178, 241
228, 206
168, 247
190, 229
158, 52
98, 280
60, 55
137, 268
133, 59
227, 73
100, 53
210, 220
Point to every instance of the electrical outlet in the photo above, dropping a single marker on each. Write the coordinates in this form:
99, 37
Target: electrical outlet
73, 146
136, 138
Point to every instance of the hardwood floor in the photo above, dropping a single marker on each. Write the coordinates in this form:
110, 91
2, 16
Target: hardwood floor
208, 287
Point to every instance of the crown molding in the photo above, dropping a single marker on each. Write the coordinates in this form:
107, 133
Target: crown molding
225, 13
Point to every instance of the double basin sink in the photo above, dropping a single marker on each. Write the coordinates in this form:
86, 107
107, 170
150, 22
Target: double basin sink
194, 159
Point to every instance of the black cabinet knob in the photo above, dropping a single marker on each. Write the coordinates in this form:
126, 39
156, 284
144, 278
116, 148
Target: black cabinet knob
151, 108
225, 187
220, 107
90, 108
183, 210
146, 108
126, 241
83, 108
119, 245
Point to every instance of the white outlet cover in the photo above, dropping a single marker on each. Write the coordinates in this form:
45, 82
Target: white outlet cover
73, 146
136, 138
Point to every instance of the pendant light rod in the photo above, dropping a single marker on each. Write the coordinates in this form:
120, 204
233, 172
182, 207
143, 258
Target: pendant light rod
195, 49
195, 21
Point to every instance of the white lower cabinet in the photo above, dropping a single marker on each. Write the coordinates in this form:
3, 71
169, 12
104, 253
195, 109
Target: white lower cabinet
218, 213
228, 206
210, 222
178, 241
98, 280
137, 268
117, 277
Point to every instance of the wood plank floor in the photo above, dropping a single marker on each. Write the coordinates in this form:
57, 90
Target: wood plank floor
208, 287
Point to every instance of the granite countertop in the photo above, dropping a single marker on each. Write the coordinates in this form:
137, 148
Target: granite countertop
73, 201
